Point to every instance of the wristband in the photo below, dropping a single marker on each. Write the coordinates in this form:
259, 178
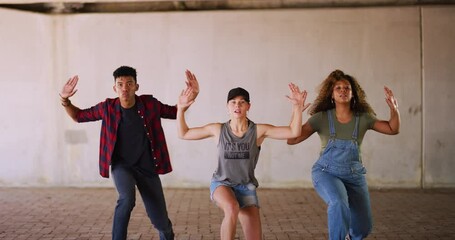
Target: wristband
66, 103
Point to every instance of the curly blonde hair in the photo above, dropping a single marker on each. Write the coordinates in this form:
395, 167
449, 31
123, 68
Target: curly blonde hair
324, 101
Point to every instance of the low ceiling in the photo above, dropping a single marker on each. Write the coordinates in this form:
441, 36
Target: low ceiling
112, 6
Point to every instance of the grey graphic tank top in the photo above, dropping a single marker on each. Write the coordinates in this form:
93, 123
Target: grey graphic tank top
237, 157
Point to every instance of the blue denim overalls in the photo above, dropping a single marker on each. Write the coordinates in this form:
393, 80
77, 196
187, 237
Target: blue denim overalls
339, 178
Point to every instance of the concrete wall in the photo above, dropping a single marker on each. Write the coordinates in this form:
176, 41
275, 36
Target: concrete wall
405, 48
438, 89
29, 153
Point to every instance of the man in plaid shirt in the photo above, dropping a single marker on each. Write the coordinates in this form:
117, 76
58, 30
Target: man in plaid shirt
132, 142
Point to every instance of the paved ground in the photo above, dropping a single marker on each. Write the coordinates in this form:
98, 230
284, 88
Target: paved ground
86, 213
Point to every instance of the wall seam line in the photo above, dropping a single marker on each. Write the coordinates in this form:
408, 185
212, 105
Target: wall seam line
422, 83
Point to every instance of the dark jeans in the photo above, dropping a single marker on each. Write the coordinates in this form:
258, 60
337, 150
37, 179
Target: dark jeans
126, 179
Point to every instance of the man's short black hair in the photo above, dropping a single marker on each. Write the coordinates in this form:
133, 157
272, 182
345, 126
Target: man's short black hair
125, 71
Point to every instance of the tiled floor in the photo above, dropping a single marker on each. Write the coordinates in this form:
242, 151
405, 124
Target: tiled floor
86, 213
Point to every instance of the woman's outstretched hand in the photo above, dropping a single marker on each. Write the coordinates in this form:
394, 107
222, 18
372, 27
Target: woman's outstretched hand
298, 97
191, 82
189, 94
390, 99
186, 98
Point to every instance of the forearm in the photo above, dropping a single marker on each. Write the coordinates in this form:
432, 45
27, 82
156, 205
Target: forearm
293, 141
307, 131
182, 127
70, 109
296, 121
394, 121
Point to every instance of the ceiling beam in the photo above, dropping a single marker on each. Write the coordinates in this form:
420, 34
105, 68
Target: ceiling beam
112, 6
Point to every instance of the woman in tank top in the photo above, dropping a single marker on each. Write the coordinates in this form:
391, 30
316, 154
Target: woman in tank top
233, 185
341, 116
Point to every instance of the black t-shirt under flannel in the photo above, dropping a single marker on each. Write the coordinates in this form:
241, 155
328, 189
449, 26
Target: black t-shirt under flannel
132, 148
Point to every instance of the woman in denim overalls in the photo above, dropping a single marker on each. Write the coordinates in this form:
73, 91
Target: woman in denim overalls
341, 116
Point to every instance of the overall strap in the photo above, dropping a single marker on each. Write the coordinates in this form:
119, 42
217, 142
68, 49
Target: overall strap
331, 124
356, 128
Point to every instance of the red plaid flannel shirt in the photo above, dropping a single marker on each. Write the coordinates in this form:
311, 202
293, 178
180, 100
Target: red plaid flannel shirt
151, 111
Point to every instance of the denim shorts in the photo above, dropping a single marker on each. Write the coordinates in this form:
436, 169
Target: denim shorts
245, 194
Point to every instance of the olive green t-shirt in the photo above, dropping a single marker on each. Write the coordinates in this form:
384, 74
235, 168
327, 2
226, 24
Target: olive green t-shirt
320, 123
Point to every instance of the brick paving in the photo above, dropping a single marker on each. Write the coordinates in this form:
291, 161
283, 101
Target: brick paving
86, 213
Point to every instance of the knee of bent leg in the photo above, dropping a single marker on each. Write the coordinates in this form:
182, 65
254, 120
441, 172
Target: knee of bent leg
231, 209
338, 203
128, 201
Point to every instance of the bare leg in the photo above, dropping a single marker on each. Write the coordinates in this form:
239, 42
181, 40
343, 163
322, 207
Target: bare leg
251, 223
225, 199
